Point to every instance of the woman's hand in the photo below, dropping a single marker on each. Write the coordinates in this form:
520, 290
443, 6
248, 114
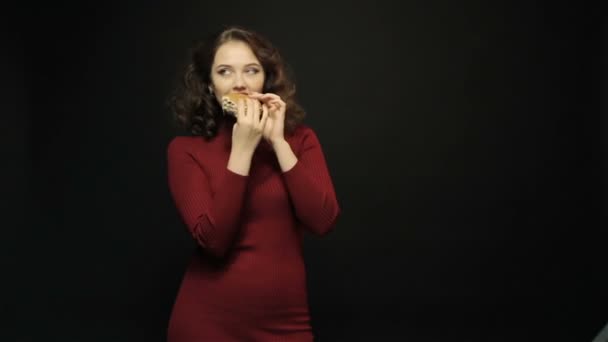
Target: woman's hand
246, 134
273, 131
249, 128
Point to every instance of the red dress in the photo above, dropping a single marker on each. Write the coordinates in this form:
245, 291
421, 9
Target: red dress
246, 280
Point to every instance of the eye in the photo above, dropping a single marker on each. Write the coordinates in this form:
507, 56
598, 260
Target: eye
223, 72
253, 71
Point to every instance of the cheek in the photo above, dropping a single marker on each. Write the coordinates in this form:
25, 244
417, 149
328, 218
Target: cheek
258, 81
220, 85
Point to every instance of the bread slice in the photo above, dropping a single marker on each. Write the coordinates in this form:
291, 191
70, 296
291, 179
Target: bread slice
230, 101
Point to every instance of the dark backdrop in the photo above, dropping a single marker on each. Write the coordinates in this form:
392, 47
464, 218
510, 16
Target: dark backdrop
466, 141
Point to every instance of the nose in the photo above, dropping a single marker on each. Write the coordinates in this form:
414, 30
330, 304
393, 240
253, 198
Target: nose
239, 83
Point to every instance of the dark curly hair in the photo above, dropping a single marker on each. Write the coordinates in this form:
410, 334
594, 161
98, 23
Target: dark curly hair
197, 110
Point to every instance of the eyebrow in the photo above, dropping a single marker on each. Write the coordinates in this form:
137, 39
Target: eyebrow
230, 66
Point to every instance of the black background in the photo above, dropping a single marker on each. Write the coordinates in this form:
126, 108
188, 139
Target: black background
466, 141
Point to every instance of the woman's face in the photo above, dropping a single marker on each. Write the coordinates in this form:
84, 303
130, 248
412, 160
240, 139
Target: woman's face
235, 69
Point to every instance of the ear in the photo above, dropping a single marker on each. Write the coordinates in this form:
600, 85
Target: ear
210, 88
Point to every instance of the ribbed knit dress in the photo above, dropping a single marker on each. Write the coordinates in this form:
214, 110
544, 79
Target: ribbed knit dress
246, 280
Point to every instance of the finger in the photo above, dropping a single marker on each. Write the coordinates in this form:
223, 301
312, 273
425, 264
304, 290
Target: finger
255, 114
257, 110
280, 103
271, 95
265, 97
240, 111
275, 105
282, 106
264, 116
255, 95
249, 110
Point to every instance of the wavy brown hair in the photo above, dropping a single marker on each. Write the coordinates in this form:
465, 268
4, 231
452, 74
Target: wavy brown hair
197, 110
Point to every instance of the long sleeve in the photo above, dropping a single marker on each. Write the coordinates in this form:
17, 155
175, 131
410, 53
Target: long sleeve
213, 221
310, 187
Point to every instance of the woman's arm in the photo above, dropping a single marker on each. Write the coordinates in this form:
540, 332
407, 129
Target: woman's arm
309, 184
213, 221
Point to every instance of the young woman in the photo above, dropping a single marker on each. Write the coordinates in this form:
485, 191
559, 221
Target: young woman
247, 187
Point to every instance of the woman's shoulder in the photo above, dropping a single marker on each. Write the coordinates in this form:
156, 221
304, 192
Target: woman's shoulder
198, 147
301, 131
303, 134
302, 138
192, 145
182, 143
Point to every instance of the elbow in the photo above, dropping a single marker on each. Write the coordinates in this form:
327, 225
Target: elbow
215, 250
204, 238
324, 227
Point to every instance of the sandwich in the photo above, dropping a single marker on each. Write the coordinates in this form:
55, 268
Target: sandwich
230, 101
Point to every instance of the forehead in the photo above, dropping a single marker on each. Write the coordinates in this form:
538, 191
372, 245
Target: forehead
234, 53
